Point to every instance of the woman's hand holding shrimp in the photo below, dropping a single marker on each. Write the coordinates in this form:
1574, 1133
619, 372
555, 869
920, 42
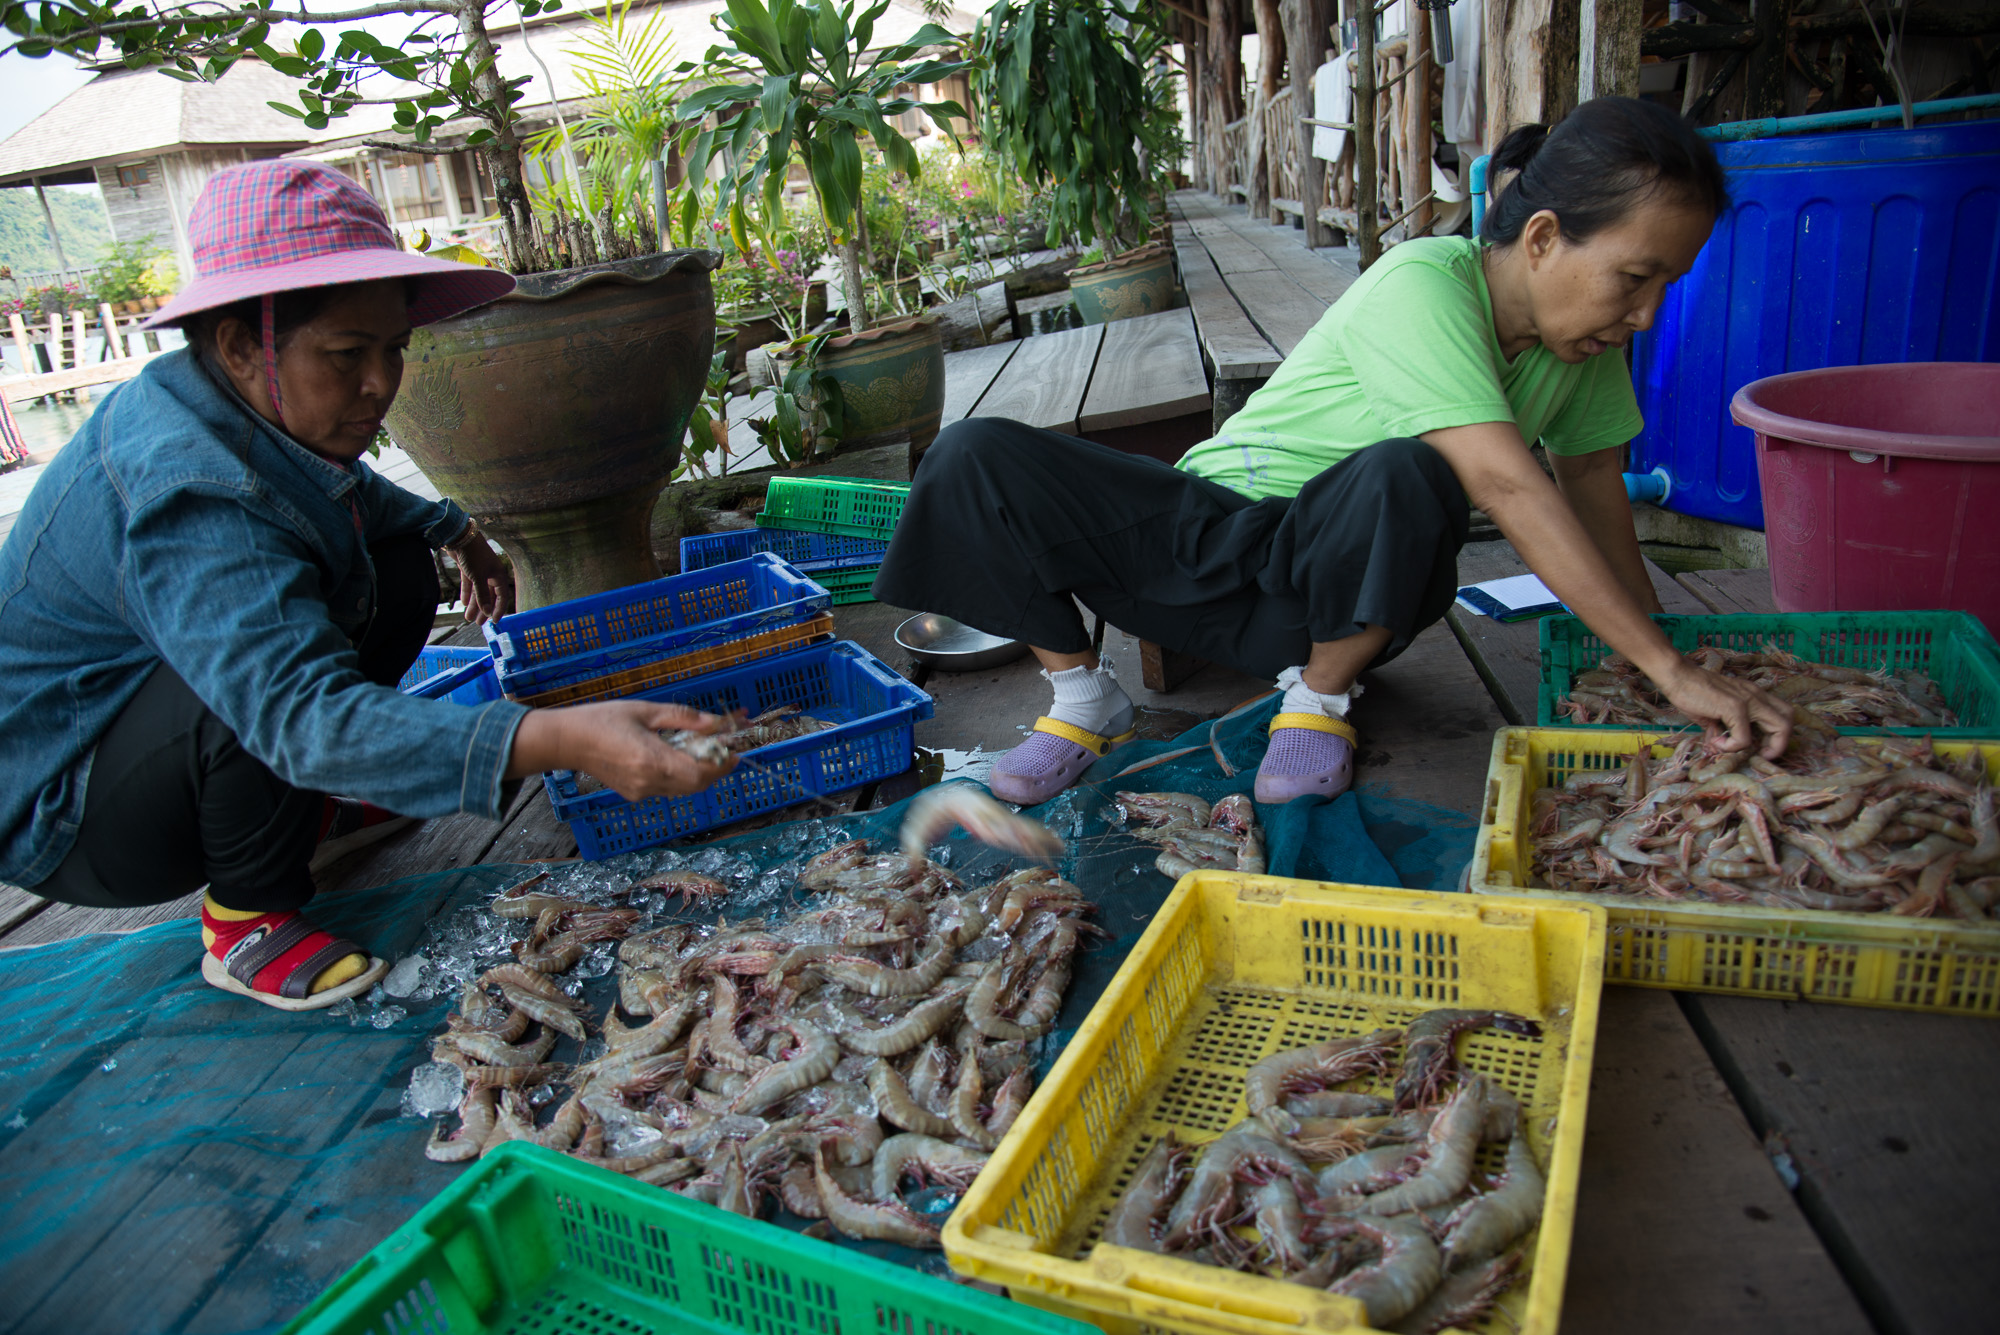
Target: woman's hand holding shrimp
1728, 706
619, 742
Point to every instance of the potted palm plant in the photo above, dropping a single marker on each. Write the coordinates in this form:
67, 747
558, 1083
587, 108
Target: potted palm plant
554, 415
1075, 96
797, 84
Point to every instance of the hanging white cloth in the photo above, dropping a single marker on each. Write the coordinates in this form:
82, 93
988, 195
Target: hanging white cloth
1333, 100
1464, 106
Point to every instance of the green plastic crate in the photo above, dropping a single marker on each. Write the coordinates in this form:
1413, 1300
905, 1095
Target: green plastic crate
530, 1241
1952, 648
857, 506
848, 586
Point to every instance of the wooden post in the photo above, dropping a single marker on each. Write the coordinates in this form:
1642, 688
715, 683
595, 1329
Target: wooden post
1367, 201
55, 238
1417, 125
1305, 42
77, 348
112, 343
1607, 48
19, 329
1765, 91
1196, 46
1272, 43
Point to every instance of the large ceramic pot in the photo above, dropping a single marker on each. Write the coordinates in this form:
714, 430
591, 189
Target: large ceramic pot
892, 383
555, 414
1138, 282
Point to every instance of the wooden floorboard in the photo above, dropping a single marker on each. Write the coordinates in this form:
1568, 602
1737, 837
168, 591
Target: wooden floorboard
1233, 253
969, 374
1427, 725
1287, 250
16, 907
1044, 383
60, 922
1282, 310
1148, 369
1508, 655
1889, 1119
1234, 346
1731, 590
1682, 1224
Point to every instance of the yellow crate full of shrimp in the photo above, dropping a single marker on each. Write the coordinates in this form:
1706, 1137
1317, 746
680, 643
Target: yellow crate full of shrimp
1759, 949
1238, 970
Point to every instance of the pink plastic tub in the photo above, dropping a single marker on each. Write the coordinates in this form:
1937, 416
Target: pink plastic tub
1881, 486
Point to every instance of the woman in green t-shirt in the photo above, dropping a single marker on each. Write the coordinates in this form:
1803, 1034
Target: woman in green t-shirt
1319, 532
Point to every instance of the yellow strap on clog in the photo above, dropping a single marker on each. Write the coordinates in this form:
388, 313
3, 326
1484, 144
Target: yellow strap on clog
1092, 742
1339, 727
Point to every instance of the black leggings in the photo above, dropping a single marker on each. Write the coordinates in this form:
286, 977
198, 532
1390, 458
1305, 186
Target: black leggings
175, 801
1009, 526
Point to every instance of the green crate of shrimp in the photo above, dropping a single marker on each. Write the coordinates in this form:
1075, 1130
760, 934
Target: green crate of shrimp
1910, 672
857, 507
531, 1241
1846, 932
1246, 985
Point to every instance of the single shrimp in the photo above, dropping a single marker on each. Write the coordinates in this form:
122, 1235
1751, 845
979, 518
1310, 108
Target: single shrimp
982, 1003
863, 975
719, 1036
1299, 1070
912, 1030
1235, 813
963, 1111
488, 1050
693, 887
1035, 888
899, 1107
1336, 1103
1489, 1223
810, 1062
798, 1191
1463, 1300
1134, 1219
890, 1221
559, 1018
936, 1161
1408, 1270
1280, 1222
1009, 1100
1203, 1209
1161, 809
936, 810
1429, 1060
1371, 1170
1449, 1146
476, 1112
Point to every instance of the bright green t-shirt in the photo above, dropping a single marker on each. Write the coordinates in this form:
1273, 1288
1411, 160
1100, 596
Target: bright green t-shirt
1410, 348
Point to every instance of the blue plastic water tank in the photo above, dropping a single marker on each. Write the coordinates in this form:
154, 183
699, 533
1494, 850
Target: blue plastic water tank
1840, 250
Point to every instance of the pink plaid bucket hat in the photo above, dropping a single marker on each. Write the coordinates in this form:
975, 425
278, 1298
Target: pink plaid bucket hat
287, 223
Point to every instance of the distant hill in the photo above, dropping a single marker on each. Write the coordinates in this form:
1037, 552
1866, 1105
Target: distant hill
24, 238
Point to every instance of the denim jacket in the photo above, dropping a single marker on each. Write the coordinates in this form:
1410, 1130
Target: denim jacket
180, 527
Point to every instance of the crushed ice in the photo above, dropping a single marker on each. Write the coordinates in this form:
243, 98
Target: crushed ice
434, 1088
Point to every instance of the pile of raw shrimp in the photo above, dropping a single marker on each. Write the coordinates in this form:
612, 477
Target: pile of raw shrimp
1192, 835
1618, 693
1865, 825
1390, 1216
876, 1041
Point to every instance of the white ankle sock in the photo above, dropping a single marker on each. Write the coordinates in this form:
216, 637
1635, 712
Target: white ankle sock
1091, 699
1303, 699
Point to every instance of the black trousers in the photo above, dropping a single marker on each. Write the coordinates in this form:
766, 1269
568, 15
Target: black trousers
1009, 526
175, 801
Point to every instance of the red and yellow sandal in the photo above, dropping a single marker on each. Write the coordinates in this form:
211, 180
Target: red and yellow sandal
1310, 755
1054, 756
274, 957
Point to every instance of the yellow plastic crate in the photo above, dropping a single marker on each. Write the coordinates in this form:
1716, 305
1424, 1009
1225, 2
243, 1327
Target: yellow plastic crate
1860, 959
1233, 969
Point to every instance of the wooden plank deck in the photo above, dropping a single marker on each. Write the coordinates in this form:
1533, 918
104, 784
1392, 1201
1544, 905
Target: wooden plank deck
1043, 384
1148, 368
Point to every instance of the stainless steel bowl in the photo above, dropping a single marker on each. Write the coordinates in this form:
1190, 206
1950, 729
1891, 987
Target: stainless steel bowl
950, 647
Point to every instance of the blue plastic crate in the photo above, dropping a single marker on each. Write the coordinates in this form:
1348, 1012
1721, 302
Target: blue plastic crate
463, 676
808, 552
840, 682
1838, 250
632, 639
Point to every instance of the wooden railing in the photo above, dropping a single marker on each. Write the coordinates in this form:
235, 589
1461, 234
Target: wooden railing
1281, 151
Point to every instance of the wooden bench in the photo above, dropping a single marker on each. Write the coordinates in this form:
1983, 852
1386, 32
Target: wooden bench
1135, 385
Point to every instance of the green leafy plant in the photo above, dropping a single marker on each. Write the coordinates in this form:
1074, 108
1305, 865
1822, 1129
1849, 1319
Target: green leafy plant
808, 412
1072, 96
133, 270
794, 87
709, 410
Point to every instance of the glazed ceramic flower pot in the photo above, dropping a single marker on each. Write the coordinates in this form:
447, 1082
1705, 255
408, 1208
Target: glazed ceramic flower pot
892, 383
1139, 282
555, 414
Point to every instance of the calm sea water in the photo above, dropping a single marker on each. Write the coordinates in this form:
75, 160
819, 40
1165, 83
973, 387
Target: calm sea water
48, 427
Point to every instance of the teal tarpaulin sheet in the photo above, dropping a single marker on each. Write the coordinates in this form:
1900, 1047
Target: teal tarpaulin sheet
176, 1159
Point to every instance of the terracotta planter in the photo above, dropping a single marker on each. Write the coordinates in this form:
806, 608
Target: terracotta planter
1139, 282
555, 414
892, 380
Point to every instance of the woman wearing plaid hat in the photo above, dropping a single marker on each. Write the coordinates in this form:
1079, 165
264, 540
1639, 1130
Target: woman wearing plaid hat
209, 598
